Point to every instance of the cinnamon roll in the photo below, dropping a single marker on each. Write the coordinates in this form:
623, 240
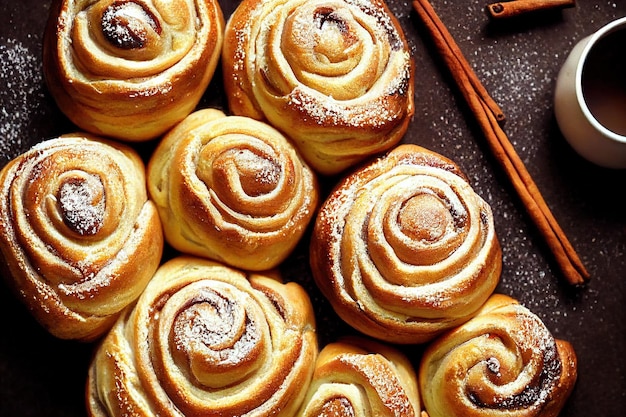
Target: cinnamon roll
77, 232
404, 248
357, 377
131, 69
335, 76
206, 339
232, 189
503, 362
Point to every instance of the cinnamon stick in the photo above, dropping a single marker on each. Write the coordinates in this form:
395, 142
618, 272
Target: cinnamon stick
512, 8
489, 116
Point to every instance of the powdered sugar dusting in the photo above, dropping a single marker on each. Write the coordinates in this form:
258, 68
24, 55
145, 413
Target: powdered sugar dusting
383, 381
328, 111
264, 170
383, 19
82, 205
216, 327
125, 25
20, 92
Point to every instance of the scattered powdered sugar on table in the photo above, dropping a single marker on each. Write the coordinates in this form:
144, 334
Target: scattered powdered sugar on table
21, 93
523, 87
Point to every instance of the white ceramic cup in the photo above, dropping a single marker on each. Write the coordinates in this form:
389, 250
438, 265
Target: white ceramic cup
589, 103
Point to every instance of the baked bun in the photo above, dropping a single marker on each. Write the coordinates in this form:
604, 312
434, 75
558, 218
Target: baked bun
335, 76
78, 234
205, 339
131, 69
404, 248
503, 362
232, 189
358, 377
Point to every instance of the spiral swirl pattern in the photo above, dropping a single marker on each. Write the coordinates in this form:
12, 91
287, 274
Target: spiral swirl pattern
336, 76
231, 189
503, 362
357, 377
206, 339
110, 63
404, 247
78, 233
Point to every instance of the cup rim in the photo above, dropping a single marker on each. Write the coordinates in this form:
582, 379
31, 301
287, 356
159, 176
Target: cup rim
593, 39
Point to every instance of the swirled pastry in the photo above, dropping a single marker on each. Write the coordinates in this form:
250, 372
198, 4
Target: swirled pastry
206, 339
78, 234
335, 76
503, 362
131, 69
232, 189
404, 248
357, 377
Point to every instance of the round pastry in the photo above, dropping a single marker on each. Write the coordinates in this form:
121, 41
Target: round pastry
77, 232
335, 76
131, 69
404, 248
503, 362
206, 339
232, 189
357, 377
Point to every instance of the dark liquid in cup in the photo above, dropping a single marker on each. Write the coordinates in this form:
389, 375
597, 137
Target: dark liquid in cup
604, 81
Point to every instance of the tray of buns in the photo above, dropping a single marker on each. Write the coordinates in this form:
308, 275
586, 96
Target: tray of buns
265, 207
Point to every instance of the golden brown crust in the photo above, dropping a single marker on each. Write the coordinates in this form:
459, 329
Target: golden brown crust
503, 362
335, 76
360, 377
404, 248
78, 233
131, 69
232, 189
206, 339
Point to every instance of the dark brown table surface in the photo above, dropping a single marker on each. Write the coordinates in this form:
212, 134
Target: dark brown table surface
518, 61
